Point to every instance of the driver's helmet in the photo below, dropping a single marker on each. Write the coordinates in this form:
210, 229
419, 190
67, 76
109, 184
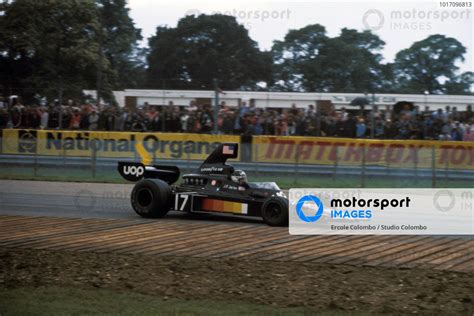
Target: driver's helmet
239, 176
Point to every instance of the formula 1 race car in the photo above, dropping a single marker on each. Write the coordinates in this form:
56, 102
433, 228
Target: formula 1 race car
214, 187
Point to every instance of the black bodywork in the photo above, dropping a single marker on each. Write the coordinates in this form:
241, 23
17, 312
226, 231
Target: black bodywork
208, 189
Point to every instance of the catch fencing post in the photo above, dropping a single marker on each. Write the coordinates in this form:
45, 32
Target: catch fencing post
93, 162
363, 166
335, 164
188, 161
135, 150
416, 165
433, 167
216, 106
295, 181
446, 178
256, 158
35, 158
64, 155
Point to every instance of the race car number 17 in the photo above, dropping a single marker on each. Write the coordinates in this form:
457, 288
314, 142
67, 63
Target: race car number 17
180, 201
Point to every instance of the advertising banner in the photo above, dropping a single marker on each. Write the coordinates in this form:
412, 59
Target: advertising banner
345, 151
112, 144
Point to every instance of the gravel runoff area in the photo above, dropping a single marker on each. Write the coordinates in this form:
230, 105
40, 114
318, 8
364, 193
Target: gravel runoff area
315, 287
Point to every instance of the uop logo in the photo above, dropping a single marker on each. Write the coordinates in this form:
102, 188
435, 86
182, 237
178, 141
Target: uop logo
133, 170
313, 199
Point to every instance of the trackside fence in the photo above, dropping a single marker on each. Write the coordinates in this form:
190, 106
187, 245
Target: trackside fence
289, 161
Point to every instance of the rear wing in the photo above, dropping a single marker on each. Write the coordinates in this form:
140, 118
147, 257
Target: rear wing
134, 171
215, 163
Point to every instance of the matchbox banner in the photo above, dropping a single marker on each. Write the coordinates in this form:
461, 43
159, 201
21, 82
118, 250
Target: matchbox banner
345, 151
112, 144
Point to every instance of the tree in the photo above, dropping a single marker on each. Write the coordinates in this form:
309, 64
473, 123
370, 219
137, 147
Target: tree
427, 63
119, 42
292, 57
50, 46
203, 48
308, 60
58, 48
462, 84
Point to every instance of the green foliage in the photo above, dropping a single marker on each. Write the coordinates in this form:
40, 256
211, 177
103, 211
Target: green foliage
309, 60
120, 44
58, 48
203, 48
424, 65
58, 45
460, 84
52, 42
295, 57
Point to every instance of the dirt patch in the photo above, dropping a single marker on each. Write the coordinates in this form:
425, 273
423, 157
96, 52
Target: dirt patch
317, 287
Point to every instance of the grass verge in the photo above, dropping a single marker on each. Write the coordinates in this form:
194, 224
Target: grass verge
53, 300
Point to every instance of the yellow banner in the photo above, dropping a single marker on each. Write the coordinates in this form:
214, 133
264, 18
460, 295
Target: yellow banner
344, 151
112, 144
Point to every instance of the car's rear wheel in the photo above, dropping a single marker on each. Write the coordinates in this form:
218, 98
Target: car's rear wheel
275, 211
151, 198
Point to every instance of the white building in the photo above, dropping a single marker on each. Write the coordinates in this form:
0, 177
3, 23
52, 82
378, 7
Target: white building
135, 97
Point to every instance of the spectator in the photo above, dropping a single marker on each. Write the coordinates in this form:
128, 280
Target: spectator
175, 122
123, 121
110, 120
3, 118
281, 127
456, 134
361, 128
468, 133
446, 131
206, 122
93, 120
53, 118
227, 122
379, 128
44, 118
75, 119
65, 120
84, 124
444, 124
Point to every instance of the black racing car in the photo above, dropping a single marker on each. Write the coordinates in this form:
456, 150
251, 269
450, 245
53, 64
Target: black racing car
214, 187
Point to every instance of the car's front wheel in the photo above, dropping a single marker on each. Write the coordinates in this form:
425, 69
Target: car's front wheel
275, 211
151, 198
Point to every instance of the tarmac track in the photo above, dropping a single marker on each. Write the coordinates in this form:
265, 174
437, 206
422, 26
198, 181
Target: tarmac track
98, 218
84, 200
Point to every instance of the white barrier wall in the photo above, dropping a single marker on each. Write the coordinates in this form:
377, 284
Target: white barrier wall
286, 99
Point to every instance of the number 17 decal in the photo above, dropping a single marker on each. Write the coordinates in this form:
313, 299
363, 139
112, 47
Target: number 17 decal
184, 198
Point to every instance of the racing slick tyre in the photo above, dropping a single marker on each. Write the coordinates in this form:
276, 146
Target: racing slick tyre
275, 211
151, 198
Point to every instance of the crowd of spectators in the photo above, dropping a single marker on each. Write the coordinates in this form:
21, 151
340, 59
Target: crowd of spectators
407, 123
